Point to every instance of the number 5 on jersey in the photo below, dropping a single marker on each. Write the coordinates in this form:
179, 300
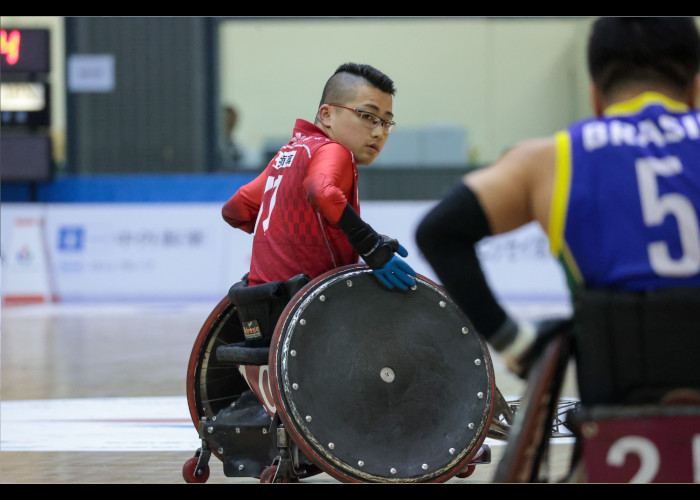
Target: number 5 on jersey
656, 207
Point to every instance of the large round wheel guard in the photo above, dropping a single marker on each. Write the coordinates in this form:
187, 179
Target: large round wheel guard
378, 385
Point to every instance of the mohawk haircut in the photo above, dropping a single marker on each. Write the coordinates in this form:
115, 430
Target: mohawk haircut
341, 86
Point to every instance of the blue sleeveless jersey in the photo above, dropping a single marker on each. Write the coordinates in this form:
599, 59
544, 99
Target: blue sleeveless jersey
626, 201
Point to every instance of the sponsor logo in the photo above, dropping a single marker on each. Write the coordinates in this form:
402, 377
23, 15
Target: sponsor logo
71, 238
24, 255
251, 330
284, 159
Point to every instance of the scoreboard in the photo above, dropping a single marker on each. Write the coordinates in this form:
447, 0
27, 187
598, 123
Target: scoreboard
25, 64
24, 51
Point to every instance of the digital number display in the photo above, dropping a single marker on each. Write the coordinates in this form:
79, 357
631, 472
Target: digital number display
24, 50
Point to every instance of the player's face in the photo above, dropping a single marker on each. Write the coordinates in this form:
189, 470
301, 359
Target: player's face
354, 130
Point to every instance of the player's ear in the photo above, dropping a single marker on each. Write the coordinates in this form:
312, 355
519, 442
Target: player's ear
324, 115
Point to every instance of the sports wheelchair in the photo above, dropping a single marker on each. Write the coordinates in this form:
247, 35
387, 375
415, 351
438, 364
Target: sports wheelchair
338, 375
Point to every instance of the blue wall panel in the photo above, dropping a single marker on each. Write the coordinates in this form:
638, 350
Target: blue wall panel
129, 188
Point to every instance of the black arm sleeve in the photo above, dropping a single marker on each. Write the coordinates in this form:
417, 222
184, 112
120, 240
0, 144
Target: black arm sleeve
360, 234
375, 249
447, 236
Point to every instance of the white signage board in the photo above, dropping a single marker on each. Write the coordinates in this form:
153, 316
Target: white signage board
91, 73
185, 251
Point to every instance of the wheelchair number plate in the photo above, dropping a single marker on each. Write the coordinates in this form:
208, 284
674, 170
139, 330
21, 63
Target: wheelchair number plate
647, 449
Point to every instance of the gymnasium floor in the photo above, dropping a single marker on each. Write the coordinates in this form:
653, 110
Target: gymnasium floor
96, 394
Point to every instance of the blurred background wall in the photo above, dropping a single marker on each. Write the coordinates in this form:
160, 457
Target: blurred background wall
483, 83
498, 80
128, 115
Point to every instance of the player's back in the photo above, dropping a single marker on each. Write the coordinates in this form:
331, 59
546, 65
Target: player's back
291, 237
629, 186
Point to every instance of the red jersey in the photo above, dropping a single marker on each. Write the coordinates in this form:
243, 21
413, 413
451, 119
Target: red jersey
293, 207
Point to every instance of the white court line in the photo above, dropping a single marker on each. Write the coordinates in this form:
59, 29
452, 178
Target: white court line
90, 309
103, 424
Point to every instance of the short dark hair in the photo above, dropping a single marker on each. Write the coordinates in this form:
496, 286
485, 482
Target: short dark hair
662, 50
341, 85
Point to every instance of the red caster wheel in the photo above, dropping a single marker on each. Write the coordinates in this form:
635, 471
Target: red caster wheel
466, 472
188, 472
268, 475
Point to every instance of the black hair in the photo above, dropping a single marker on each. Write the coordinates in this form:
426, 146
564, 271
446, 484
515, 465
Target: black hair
664, 50
346, 78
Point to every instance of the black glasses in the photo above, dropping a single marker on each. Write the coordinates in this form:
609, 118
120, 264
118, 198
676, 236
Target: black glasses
369, 119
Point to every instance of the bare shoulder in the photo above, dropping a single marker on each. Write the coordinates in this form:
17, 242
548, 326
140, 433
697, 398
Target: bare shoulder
516, 188
529, 154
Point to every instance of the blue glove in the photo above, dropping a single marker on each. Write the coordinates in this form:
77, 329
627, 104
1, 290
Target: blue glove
395, 272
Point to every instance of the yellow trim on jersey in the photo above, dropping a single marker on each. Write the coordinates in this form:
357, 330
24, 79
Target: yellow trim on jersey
560, 192
636, 104
574, 278
559, 206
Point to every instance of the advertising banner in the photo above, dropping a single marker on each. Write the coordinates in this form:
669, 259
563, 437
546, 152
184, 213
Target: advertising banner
185, 251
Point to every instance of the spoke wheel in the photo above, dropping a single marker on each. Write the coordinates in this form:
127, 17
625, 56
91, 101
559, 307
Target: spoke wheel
212, 385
